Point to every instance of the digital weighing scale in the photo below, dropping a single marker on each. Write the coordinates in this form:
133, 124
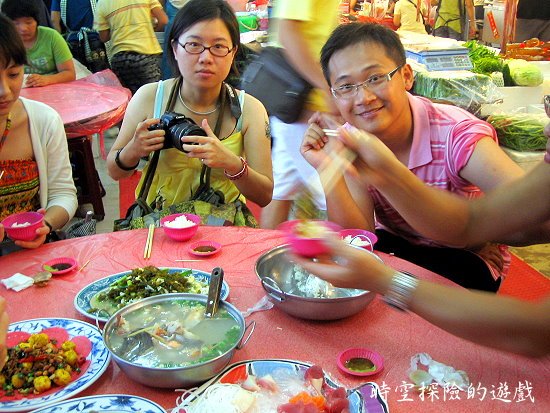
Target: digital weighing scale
443, 59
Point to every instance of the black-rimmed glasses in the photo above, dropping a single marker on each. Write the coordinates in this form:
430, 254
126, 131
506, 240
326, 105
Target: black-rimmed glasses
373, 83
218, 50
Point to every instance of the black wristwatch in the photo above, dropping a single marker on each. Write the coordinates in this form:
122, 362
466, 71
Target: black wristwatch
121, 165
49, 226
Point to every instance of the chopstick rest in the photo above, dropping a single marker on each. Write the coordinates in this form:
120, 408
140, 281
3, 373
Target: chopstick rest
17, 282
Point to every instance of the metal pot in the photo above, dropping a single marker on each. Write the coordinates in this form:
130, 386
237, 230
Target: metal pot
175, 377
279, 279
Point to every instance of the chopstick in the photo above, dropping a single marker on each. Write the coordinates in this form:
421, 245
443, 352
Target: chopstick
1, 174
330, 132
84, 266
149, 242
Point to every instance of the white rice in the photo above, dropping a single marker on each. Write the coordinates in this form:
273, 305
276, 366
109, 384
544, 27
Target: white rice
179, 222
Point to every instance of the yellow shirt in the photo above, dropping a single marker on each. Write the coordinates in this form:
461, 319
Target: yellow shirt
129, 22
177, 177
319, 18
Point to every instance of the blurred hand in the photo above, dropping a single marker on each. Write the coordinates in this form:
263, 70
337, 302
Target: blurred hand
375, 158
345, 266
4, 322
492, 254
314, 141
35, 80
211, 151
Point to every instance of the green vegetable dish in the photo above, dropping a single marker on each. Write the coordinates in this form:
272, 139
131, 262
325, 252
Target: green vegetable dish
142, 283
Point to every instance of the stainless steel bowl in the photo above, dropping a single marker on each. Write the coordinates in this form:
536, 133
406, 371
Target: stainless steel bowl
303, 295
175, 377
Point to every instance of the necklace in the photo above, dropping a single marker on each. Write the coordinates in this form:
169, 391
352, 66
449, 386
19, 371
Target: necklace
6, 131
209, 112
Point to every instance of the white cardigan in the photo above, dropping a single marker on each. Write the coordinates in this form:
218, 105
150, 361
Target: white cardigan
49, 144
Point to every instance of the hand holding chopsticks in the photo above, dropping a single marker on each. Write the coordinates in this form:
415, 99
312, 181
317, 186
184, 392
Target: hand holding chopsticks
149, 242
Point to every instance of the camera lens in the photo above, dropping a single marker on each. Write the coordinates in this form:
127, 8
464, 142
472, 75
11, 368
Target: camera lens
184, 129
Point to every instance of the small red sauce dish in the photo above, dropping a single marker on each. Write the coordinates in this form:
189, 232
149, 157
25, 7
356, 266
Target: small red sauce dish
204, 248
60, 266
360, 362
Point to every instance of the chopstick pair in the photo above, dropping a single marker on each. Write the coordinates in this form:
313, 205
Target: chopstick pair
149, 242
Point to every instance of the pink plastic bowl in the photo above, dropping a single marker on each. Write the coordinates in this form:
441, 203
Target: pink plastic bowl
351, 353
71, 262
306, 247
27, 233
361, 234
181, 234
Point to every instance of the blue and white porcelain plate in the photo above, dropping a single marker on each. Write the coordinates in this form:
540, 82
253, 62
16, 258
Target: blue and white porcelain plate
99, 361
113, 403
84, 297
363, 399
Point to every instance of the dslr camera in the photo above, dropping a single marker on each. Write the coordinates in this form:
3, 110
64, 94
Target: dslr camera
176, 126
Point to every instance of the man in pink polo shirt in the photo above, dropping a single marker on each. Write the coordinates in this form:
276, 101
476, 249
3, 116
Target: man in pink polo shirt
444, 146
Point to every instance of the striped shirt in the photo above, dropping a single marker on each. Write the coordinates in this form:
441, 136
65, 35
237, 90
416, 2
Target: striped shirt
444, 138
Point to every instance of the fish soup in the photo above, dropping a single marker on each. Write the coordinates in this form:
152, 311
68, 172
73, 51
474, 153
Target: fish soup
172, 333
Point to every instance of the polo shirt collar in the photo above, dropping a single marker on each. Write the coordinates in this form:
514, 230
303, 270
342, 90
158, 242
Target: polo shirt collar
421, 148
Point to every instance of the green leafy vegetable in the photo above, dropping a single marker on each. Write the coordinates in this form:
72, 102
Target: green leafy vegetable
484, 60
150, 281
522, 131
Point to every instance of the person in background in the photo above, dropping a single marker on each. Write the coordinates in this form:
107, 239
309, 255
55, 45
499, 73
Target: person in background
408, 17
532, 20
204, 40
49, 58
77, 16
501, 322
301, 28
136, 53
445, 146
33, 148
171, 7
453, 16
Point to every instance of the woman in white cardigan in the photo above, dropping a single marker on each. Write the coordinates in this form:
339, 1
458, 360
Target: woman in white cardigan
34, 159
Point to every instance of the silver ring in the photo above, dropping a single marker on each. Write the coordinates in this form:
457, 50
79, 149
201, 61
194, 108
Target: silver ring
202, 160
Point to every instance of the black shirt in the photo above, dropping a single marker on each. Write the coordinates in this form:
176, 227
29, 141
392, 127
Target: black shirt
534, 9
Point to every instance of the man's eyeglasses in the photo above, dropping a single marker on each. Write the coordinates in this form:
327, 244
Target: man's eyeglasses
373, 83
196, 48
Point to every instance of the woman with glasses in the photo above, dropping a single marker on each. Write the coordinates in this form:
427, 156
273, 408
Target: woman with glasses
130, 26
444, 146
204, 39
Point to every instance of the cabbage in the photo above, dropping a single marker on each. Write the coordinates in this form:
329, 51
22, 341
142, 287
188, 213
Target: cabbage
524, 73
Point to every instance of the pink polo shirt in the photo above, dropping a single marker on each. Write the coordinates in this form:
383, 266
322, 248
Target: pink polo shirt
444, 138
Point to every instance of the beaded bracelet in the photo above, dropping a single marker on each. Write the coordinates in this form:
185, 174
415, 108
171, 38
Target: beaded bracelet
240, 174
400, 290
